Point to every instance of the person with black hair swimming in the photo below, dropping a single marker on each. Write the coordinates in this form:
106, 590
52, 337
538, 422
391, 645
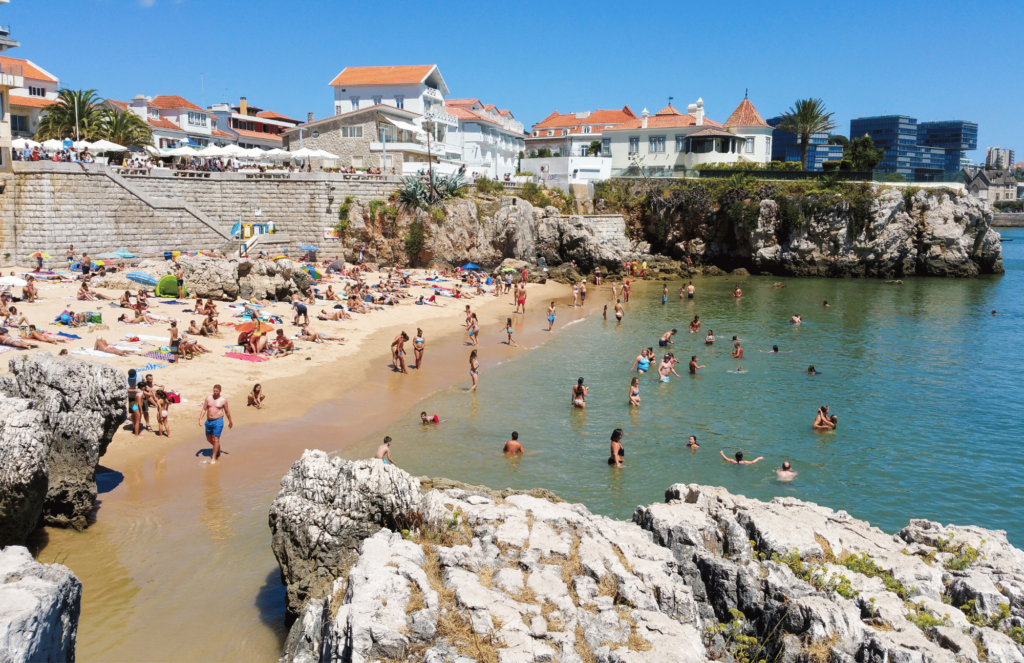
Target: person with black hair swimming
739, 459
513, 447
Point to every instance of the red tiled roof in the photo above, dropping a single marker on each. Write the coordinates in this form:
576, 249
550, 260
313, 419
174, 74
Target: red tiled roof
745, 115
258, 135
404, 75
161, 123
222, 134
461, 102
31, 102
664, 122
490, 107
271, 115
599, 116
505, 111
668, 110
171, 102
594, 131
123, 105
712, 131
28, 69
465, 114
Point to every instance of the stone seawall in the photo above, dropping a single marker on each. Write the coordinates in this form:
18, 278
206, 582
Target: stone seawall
47, 206
1008, 220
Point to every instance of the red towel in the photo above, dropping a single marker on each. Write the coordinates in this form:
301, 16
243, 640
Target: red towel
235, 355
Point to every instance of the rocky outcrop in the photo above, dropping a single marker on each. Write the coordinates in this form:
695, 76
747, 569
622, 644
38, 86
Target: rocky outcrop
469, 572
205, 276
39, 609
24, 443
81, 404
260, 278
588, 241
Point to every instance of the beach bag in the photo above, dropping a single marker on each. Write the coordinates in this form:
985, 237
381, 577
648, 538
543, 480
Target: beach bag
23, 330
95, 318
173, 397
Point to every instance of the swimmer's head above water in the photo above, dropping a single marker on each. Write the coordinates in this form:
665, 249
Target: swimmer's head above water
739, 456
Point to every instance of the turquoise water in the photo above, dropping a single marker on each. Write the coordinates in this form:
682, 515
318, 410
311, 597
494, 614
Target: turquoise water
924, 380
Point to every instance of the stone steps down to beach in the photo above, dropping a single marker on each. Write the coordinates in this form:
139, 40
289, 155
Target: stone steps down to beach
382, 566
57, 416
39, 608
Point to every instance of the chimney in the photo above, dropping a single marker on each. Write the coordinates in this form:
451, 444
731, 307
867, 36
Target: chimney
309, 117
643, 121
700, 112
243, 106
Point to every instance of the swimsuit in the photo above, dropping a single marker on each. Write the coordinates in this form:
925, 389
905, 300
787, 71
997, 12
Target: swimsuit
551, 317
664, 378
662, 343
644, 365
214, 426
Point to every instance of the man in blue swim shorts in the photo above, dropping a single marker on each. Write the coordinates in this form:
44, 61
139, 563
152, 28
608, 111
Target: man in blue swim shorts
551, 316
666, 367
214, 409
384, 452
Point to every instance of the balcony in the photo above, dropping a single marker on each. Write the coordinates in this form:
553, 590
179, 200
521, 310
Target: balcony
417, 148
439, 116
11, 75
432, 94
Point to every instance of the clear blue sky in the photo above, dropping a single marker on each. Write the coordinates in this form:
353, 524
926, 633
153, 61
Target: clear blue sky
932, 60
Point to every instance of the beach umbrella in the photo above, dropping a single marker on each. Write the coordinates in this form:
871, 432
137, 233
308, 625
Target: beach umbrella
304, 153
336, 266
53, 144
142, 278
254, 326
470, 265
13, 281
326, 155
308, 247
22, 143
39, 254
121, 253
109, 256
104, 145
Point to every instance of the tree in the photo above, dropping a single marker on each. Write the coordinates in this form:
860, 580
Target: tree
805, 118
543, 153
76, 115
837, 139
126, 128
595, 148
863, 154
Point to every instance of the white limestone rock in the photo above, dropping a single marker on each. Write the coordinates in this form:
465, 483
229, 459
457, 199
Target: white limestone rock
39, 609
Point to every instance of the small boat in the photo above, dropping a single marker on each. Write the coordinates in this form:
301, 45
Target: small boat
1005, 239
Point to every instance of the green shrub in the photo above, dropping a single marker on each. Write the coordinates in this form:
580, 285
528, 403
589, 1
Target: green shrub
752, 165
894, 177
829, 166
343, 209
415, 239
964, 557
923, 618
437, 214
488, 186
789, 216
375, 207
866, 566
543, 153
525, 174
816, 576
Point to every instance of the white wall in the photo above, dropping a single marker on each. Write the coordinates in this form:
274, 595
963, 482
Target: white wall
414, 97
562, 171
669, 159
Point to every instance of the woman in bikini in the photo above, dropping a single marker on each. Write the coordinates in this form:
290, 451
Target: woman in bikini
474, 330
474, 370
508, 330
822, 420
418, 344
618, 452
634, 392
163, 404
140, 300
575, 294
256, 397
579, 395
710, 338
200, 308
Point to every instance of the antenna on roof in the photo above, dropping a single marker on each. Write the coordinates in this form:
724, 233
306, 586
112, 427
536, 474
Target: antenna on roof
745, 90
670, 100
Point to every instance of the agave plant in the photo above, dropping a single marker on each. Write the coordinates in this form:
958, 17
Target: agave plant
417, 194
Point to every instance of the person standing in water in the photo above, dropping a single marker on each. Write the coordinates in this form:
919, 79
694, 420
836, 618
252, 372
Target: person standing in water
634, 392
737, 353
666, 367
737, 293
474, 370
551, 316
690, 290
695, 324
605, 312
666, 338
618, 311
664, 295
618, 452
384, 452
643, 362
215, 408
508, 330
693, 365
419, 343
786, 473
822, 420
739, 459
513, 447
625, 291
579, 395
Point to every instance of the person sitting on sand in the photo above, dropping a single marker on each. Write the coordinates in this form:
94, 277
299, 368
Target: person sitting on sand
190, 347
307, 334
200, 308
384, 452
513, 447
329, 294
37, 335
822, 420
103, 346
256, 397
282, 344
141, 301
29, 292
786, 473
194, 329
209, 327
86, 295
139, 319
126, 300
15, 319
739, 459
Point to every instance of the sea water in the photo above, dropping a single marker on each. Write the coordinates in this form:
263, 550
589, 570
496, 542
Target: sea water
925, 381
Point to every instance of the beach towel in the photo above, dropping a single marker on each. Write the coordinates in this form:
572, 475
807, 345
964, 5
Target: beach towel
147, 338
68, 335
235, 355
150, 367
7, 348
89, 352
162, 356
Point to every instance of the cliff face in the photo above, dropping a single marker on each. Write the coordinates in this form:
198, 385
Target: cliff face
465, 571
891, 235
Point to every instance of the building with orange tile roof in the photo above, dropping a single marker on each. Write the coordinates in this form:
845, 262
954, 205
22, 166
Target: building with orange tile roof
251, 126
37, 91
173, 120
572, 133
490, 138
670, 143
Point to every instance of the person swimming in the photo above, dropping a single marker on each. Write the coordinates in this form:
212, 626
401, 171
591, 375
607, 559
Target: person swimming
739, 459
691, 443
812, 371
796, 319
786, 473
429, 419
822, 420
579, 395
513, 447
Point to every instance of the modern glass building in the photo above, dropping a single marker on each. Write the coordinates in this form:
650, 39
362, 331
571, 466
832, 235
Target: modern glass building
919, 152
786, 147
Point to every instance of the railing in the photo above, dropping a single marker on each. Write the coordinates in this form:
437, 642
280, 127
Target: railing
435, 115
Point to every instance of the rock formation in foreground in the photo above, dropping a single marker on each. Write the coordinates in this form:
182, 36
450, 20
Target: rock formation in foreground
453, 573
73, 407
39, 608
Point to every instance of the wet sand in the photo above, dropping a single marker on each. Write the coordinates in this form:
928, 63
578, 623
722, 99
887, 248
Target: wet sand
178, 565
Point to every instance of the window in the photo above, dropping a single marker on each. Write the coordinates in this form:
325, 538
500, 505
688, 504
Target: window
19, 123
242, 124
750, 145
198, 119
583, 150
768, 145
376, 101
399, 102
680, 143
634, 144
606, 147
36, 91
315, 134
586, 130
355, 102
656, 144
550, 132
352, 132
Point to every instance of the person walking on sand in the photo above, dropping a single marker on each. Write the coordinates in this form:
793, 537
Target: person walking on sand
419, 343
474, 370
575, 294
513, 446
215, 408
508, 330
551, 316
739, 459
384, 452
398, 352
474, 330
179, 274
583, 292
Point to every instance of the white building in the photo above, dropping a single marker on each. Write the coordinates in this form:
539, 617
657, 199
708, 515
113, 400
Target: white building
11, 78
999, 158
251, 126
419, 89
175, 120
569, 173
490, 139
571, 134
670, 142
29, 101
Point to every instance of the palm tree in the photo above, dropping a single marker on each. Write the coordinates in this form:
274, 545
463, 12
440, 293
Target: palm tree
807, 117
76, 115
595, 148
125, 128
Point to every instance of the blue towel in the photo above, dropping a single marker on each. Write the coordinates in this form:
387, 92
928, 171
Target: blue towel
68, 335
174, 302
151, 367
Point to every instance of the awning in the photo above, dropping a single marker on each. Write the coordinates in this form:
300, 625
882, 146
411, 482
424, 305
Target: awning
405, 126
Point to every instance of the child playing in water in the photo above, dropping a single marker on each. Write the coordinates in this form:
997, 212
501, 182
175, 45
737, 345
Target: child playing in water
508, 330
